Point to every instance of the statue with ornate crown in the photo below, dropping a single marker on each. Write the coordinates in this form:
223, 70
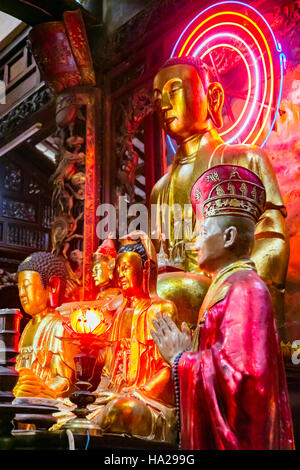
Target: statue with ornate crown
190, 107
230, 381
136, 395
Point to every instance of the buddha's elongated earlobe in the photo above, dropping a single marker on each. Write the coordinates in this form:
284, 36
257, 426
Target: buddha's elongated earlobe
215, 100
146, 277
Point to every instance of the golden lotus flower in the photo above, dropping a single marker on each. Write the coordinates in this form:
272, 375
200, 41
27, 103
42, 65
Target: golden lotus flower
88, 321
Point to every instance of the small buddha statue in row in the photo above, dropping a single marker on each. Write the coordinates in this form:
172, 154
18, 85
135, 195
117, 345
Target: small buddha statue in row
103, 265
135, 395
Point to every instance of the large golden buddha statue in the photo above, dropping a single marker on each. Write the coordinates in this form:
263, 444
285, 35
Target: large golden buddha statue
135, 396
190, 107
45, 366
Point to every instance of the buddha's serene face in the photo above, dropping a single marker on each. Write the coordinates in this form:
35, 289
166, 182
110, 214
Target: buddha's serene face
102, 272
129, 272
33, 296
181, 101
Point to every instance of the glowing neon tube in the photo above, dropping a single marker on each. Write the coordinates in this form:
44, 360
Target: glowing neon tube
262, 59
277, 46
230, 46
170, 142
271, 68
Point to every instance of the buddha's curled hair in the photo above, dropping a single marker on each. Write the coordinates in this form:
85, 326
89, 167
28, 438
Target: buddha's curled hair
47, 265
136, 248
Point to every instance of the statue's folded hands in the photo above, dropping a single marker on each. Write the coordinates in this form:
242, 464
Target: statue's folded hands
169, 339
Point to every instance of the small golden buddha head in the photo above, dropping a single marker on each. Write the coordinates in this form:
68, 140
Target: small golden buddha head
131, 267
41, 282
104, 260
186, 98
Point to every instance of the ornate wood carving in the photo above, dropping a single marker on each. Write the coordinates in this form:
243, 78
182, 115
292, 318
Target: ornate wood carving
24, 110
7, 279
18, 210
76, 186
67, 68
26, 237
67, 63
24, 207
12, 180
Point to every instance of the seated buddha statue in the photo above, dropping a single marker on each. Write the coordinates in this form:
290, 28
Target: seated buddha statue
190, 109
44, 364
109, 296
135, 395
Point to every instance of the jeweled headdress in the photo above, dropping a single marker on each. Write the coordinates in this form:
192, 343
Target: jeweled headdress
228, 190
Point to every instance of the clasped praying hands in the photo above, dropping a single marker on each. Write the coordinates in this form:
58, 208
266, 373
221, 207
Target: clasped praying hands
169, 339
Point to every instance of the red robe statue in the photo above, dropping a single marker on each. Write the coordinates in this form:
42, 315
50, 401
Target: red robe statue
233, 392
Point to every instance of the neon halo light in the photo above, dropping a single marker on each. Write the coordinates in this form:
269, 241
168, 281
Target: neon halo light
249, 87
230, 46
257, 76
224, 25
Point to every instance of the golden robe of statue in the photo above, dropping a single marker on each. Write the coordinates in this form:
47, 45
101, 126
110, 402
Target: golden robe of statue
190, 107
43, 354
136, 393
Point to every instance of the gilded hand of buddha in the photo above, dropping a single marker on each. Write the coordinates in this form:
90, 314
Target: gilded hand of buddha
169, 339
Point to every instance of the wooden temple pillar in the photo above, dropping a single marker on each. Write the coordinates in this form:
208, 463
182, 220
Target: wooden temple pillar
62, 53
82, 104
